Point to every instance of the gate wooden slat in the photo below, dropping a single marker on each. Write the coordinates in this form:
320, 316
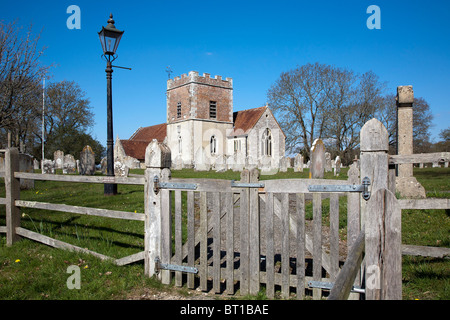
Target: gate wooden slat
229, 208
301, 247
285, 245
190, 239
270, 270
178, 238
166, 234
244, 244
334, 236
317, 243
203, 270
216, 241
254, 253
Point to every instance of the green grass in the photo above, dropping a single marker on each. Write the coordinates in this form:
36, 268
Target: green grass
41, 271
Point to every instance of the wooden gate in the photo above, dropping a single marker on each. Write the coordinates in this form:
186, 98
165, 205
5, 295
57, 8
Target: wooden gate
277, 234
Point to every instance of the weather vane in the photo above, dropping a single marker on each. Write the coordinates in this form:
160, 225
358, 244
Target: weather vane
169, 71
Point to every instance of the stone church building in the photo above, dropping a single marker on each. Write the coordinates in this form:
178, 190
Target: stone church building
204, 133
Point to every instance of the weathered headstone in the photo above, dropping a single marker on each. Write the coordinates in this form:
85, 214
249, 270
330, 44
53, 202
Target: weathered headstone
87, 161
48, 166
26, 165
317, 159
120, 169
58, 157
337, 166
202, 162
283, 164
221, 163
36, 164
103, 165
70, 165
298, 163
328, 166
178, 163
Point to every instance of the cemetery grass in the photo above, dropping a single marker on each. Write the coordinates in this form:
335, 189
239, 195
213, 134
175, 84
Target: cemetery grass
33, 271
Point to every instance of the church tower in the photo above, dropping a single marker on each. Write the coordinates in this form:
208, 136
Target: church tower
199, 115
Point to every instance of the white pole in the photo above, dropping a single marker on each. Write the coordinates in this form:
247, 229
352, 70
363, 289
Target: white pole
43, 110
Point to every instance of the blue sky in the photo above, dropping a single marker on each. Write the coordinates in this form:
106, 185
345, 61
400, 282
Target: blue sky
249, 41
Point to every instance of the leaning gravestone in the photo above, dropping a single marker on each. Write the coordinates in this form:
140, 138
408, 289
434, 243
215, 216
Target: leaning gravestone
317, 159
87, 161
58, 157
70, 165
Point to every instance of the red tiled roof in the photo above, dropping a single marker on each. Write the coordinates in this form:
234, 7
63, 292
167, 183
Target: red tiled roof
245, 120
138, 142
157, 132
135, 149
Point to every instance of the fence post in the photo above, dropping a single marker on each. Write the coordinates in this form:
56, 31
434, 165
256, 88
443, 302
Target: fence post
381, 217
157, 162
12, 194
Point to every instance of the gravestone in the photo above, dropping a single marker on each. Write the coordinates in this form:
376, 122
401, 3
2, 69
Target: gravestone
298, 163
120, 169
337, 166
328, 166
70, 165
26, 165
221, 163
87, 161
48, 166
283, 164
178, 163
103, 165
317, 168
36, 164
58, 157
201, 162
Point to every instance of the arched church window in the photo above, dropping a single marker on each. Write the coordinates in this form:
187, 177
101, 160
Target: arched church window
213, 145
266, 143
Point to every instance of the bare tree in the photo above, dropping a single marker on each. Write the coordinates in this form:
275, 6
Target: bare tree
20, 71
322, 101
299, 98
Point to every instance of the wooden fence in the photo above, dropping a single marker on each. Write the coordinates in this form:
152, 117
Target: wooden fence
227, 236
13, 204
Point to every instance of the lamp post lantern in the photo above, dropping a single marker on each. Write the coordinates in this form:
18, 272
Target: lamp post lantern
109, 38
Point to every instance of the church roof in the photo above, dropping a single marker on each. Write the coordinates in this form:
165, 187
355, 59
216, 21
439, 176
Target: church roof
245, 120
157, 132
138, 142
135, 149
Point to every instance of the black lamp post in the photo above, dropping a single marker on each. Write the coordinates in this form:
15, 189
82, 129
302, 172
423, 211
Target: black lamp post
110, 38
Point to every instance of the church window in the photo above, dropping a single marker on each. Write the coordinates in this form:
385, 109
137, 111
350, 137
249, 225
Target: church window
180, 149
213, 145
237, 145
266, 145
212, 109
179, 110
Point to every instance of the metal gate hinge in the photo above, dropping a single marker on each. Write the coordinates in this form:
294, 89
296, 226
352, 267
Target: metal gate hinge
329, 286
171, 185
237, 184
174, 267
364, 188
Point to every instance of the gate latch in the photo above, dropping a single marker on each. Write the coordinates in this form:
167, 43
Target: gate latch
363, 188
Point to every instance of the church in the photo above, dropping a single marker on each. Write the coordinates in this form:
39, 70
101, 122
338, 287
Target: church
204, 133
